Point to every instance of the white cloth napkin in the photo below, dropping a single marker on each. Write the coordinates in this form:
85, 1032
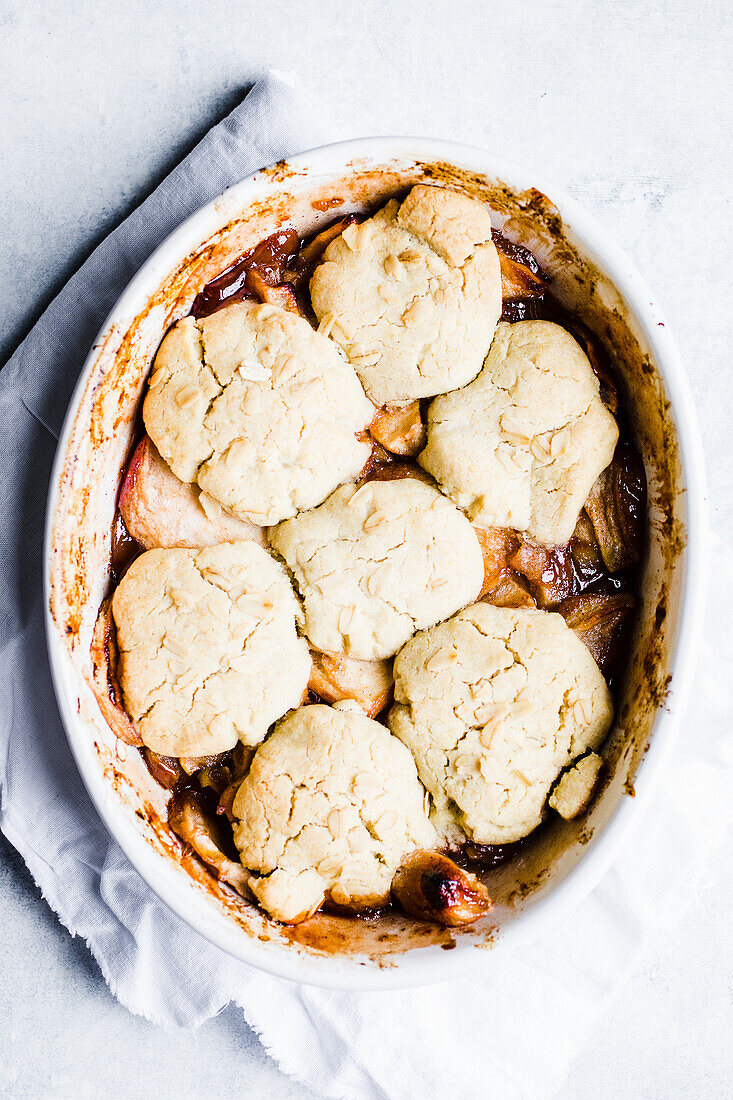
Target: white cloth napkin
513, 1029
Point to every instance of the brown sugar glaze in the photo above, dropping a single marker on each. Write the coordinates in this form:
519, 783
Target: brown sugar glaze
268, 258
554, 577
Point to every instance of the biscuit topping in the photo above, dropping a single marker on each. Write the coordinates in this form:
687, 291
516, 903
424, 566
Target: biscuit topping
258, 409
375, 564
522, 445
413, 295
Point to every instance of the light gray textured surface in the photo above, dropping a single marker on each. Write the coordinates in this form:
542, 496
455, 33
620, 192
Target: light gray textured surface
628, 105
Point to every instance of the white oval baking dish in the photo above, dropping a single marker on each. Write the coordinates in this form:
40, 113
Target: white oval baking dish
590, 274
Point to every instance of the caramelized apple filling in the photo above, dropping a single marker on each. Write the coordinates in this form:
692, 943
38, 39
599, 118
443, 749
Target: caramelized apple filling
616, 507
590, 581
400, 430
521, 275
165, 770
511, 591
260, 269
523, 283
597, 617
312, 252
547, 569
192, 820
499, 548
281, 294
335, 677
104, 683
431, 887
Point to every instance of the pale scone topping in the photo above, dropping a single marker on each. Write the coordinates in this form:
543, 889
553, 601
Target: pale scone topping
493, 704
330, 807
258, 409
376, 563
413, 294
522, 445
209, 653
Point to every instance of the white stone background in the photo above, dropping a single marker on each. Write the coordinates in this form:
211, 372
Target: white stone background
627, 104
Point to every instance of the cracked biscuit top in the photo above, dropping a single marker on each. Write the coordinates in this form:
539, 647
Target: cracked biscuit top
208, 648
258, 409
328, 810
493, 704
522, 445
412, 295
376, 563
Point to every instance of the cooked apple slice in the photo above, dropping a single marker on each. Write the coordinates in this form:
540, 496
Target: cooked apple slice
168, 770
576, 786
279, 294
271, 255
400, 430
587, 559
311, 254
521, 275
549, 570
596, 618
498, 545
225, 780
431, 887
103, 680
383, 466
165, 770
193, 764
616, 506
335, 677
162, 512
189, 820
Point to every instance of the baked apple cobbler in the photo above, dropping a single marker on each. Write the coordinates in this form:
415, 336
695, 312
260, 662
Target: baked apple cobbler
375, 560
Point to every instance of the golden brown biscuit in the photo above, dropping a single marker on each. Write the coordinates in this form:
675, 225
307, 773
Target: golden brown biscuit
375, 564
208, 651
412, 295
522, 445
